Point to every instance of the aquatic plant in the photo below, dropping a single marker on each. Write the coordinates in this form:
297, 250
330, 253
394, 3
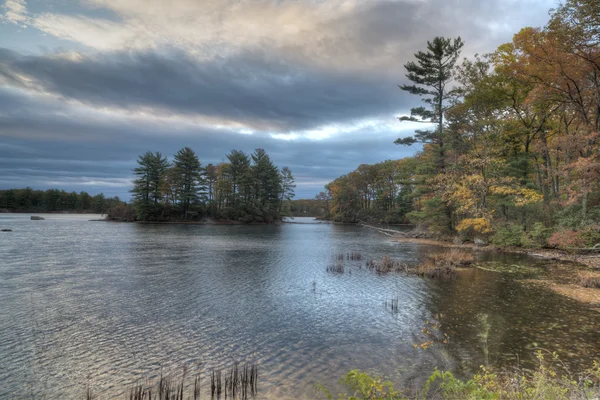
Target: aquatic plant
336, 268
444, 264
393, 305
236, 384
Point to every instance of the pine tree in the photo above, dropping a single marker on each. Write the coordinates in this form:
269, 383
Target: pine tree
431, 74
287, 188
189, 179
267, 184
147, 190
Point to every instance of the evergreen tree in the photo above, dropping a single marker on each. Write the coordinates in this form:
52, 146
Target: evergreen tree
431, 74
189, 180
147, 190
267, 184
287, 188
238, 172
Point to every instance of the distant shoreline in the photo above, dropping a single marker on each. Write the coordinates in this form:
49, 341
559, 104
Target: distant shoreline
6, 211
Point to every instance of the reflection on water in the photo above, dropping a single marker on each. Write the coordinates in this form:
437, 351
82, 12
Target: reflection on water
103, 304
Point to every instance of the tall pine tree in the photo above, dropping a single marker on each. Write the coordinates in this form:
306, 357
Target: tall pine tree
430, 75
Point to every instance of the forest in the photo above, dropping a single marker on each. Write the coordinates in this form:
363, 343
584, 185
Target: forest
247, 188
55, 200
510, 149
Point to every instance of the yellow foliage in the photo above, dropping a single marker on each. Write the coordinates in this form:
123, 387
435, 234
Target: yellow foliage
479, 225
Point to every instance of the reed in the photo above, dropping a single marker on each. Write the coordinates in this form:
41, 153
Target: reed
238, 383
393, 305
336, 268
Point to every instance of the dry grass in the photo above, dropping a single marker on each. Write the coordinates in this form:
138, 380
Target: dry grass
589, 280
385, 265
443, 265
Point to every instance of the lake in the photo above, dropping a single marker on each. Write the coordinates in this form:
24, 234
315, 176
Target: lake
104, 304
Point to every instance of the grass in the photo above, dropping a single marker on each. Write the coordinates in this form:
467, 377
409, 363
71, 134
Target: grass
589, 280
443, 265
385, 265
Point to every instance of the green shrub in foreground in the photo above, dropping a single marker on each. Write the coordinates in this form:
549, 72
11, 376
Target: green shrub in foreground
541, 384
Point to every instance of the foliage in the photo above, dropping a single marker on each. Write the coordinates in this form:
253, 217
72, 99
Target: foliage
515, 138
54, 200
508, 236
248, 188
542, 383
565, 238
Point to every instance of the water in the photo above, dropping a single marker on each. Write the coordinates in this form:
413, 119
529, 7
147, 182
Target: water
105, 304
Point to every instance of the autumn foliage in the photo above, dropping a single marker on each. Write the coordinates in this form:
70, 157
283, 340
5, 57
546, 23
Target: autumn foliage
520, 137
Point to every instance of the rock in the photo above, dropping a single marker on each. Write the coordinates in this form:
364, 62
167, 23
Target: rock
36, 218
480, 242
5, 230
457, 240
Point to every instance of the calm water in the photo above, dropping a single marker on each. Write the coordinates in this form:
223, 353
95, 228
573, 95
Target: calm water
103, 304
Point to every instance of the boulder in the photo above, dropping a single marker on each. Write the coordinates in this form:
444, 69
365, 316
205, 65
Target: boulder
479, 242
458, 240
36, 218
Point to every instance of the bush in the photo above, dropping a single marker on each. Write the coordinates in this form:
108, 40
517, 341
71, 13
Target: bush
566, 238
590, 235
541, 383
509, 235
121, 212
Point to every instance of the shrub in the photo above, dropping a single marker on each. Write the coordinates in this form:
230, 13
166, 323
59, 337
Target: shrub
121, 212
565, 238
537, 235
590, 235
542, 383
509, 235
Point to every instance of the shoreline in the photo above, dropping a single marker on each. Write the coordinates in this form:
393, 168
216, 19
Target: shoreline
590, 261
555, 281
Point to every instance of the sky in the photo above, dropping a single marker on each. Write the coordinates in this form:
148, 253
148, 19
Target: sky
87, 86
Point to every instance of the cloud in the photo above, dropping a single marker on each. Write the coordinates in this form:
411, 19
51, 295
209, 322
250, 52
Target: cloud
15, 11
311, 81
252, 90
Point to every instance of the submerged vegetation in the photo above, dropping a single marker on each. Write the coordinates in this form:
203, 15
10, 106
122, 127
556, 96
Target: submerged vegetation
511, 156
436, 265
548, 381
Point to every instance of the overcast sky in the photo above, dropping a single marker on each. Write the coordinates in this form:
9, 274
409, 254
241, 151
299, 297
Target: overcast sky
86, 86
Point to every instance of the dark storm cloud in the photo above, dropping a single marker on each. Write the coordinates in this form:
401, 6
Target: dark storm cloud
98, 155
253, 88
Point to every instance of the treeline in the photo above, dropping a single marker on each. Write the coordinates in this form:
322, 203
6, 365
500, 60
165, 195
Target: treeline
317, 207
246, 188
381, 192
54, 200
513, 154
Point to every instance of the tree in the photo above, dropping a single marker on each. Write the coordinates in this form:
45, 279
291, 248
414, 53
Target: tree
287, 187
238, 171
189, 180
431, 74
267, 184
148, 188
